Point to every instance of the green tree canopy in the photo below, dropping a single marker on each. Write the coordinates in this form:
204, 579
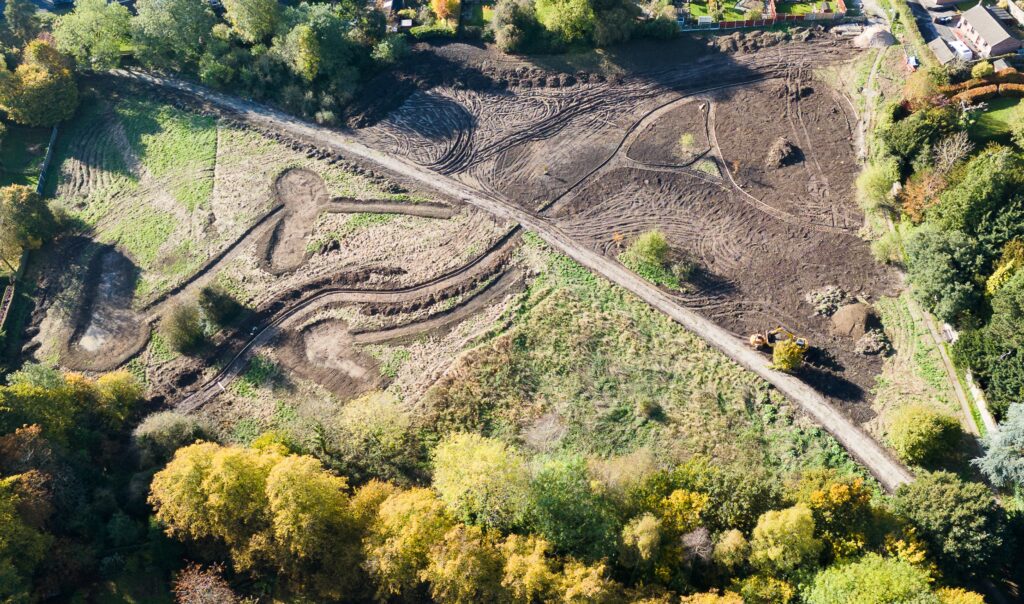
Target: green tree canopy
253, 20
25, 220
22, 546
923, 436
482, 481
1003, 461
872, 580
571, 20
22, 20
942, 266
960, 522
94, 33
571, 511
784, 540
171, 32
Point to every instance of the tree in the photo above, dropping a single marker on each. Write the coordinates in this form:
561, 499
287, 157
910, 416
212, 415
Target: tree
960, 522
22, 19
874, 183
762, 589
515, 26
952, 150
923, 436
987, 181
956, 595
482, 481
465, 567
25, 220
444, 9
871, 580
787, 355
731, 550
399, 542
527, 575
94, 33
390, 50
253, 20
22, 547
784, 541
182, 327
641, 540
1016, 125
376, 439
198, 585
171, 33
982, 69
942, 265
301, 49
42, 90
586, 584
571, 20
1003, 462
316, 533
570, 512
729, 597
219, 306
841, 505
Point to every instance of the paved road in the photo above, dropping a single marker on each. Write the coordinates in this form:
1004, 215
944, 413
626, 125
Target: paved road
889, 473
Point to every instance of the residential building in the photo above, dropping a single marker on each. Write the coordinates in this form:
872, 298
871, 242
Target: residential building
979, 27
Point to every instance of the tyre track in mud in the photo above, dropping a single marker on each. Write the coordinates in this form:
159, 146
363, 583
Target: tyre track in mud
890, 473
267, 331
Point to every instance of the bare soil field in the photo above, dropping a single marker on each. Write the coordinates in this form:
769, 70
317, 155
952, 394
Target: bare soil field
355, 284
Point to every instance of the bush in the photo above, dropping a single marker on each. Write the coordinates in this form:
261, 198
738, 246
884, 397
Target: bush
787, 356
976, 95
921, 435
391, 49
888, 248
161, 434
219, 306
874, 184
182, 328
982, 69
432, 32
648, 256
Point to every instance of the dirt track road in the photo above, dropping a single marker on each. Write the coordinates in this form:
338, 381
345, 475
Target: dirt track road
889, 473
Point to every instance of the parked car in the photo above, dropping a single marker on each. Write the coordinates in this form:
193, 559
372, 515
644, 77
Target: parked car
944, 19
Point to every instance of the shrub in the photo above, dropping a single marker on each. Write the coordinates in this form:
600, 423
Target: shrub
921, 435
874, 184
648, 256
429, 32
982, 69
182, 327
975, 95
219, 306
787, 356
888, 248
161, 434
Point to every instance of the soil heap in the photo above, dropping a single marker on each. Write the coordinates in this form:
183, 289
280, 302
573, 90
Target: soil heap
854, 320
875, 36
782, 153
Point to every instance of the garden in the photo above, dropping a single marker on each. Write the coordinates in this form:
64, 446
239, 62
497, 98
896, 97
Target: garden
993, 123
22, 154
805, 8
724, 11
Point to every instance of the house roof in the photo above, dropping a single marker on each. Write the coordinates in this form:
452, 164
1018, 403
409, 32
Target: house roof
987, 26
941, 50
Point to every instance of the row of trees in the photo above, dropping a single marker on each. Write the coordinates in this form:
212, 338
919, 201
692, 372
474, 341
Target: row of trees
535, 26
497, 527
310, 58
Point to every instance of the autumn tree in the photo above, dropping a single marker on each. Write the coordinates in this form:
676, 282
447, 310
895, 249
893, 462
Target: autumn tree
444, 9
582, 583
784, 540
198, 585
25, 220
528, 575
482, 481
400, 539
42, 90
787, 355
94, 33
731, 550
465, 567
841, 506
22, 547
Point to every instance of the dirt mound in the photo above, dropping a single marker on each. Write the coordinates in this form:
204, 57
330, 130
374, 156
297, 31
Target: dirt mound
783, 153
854, 320
876, 36
324, 352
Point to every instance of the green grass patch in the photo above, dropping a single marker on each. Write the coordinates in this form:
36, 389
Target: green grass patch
585, 367
994, 122
142, 234
261, 372
21, 155
709, 167
804, 8
730, 12
174, 144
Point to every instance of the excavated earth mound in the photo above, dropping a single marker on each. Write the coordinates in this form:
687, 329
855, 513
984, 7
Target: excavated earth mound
854, 320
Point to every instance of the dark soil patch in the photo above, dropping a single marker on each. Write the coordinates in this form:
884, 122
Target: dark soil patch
325, 353
675, 139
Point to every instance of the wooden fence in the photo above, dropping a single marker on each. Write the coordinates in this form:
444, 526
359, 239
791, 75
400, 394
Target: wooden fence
773, 18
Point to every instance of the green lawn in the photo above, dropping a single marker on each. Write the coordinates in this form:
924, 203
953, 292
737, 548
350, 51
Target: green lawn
479, 15
803, 8
21, 155
994, 123
700, 9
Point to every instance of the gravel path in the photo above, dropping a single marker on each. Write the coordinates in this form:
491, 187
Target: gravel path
889, 472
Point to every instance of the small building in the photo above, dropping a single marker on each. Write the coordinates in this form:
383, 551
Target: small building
1000, 64
941, 50
979, 27
962, 50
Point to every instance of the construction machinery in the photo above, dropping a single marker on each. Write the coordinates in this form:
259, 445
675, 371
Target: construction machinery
767, 339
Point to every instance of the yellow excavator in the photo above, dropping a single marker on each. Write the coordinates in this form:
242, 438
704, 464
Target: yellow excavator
767, 339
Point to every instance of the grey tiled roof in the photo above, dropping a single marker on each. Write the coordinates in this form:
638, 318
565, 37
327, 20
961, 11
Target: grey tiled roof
986, 25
